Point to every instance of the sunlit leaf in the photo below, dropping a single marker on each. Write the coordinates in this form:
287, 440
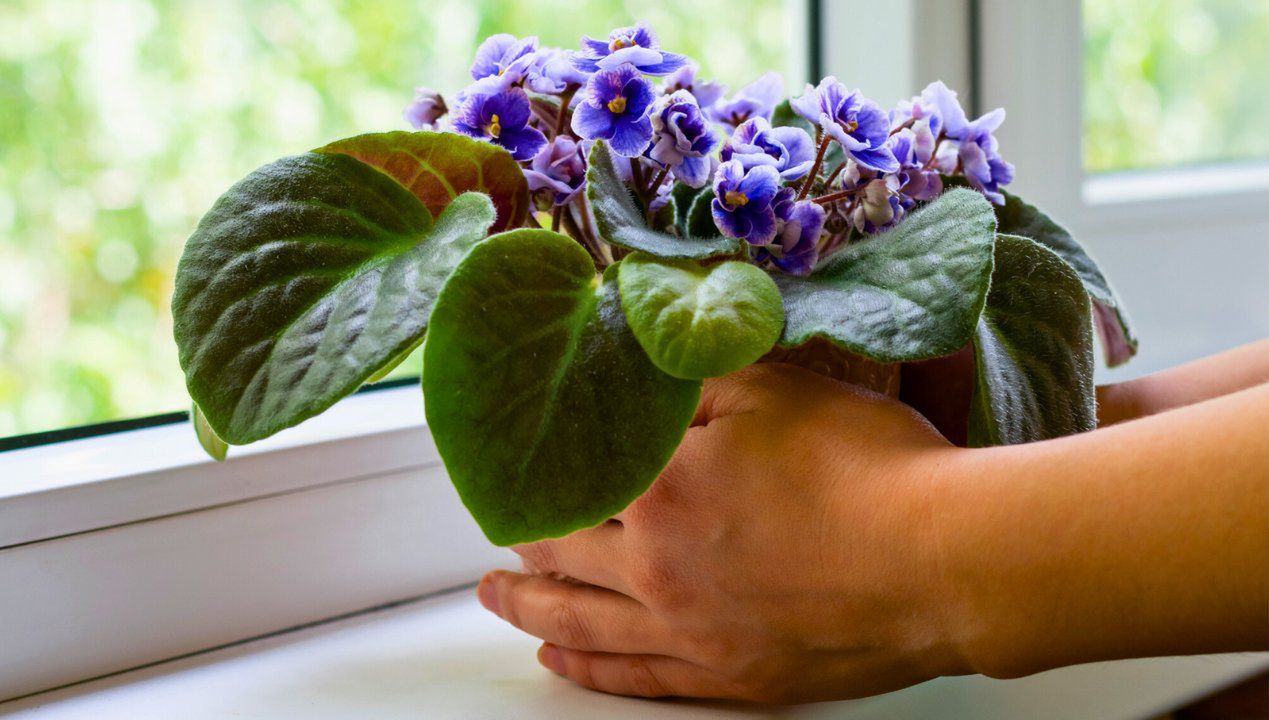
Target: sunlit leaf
438, 167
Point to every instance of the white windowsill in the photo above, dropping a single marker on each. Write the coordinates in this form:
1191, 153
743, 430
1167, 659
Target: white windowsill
446, 657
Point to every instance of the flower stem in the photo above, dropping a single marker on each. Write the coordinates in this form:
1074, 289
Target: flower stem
815, 169
556, 215
833, 197
656, 183
561, 120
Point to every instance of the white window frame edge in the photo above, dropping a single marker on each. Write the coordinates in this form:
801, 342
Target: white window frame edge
1045, 100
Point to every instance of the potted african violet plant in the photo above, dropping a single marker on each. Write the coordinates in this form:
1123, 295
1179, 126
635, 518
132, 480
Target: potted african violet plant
576, 247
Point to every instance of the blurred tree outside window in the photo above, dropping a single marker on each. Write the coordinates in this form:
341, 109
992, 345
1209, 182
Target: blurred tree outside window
1175, 82
121, 121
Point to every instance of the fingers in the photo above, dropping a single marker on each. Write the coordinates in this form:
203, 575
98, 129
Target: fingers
575, 616
637, 675
594, 556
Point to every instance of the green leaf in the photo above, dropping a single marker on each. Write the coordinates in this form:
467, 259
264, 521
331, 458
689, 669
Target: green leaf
1018, 217
784, 116
621, 220
438, 167
697, 322
1033, 350
549, 416
395, 362
700, 217
302, 281
683, 196
211, 442
912, 293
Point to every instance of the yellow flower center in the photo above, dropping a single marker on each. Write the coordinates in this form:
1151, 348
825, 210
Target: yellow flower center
620, 43
852, 126
494, 128
735, 198
617, 105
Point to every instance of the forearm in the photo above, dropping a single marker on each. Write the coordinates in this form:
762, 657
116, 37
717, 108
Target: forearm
1228, 372
1148, 538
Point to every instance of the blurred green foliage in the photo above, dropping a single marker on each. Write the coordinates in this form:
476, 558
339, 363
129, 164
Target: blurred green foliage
1175, 82
121, 121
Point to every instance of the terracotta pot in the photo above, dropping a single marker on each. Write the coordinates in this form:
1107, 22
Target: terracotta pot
825, 358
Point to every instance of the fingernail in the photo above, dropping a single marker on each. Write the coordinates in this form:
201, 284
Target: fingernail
551, 659
487, 594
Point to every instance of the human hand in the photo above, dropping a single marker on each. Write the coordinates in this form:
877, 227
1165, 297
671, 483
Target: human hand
786, 554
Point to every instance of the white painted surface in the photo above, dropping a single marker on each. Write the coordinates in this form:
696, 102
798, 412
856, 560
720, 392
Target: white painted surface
82, 485
448, 658
93, 603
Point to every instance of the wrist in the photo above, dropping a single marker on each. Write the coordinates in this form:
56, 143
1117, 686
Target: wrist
984, 622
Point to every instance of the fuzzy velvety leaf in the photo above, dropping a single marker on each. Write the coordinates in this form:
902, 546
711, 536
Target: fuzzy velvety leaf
1033, 350
784, 116
548, 414
697, 322
912, 293
1018, 217
621, 221
683, 196
305, 278
700, 217
438, 167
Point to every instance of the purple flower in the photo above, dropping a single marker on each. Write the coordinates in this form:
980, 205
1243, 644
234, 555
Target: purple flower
559, 169
757, 99
878, 207
910, 112
683, 138
615, 108
976, 150
501, 61
552, 72
742, 201
787, 149
796, 246
503, 119
636, 45
859, 125
913, 147
706, 92
427, 108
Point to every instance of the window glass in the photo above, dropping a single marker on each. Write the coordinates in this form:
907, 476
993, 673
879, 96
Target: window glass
1175, 82
122, 120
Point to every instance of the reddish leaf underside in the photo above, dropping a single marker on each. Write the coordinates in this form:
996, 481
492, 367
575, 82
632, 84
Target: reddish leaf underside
438, 167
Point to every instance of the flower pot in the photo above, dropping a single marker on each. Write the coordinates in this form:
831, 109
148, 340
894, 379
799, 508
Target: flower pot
822, 357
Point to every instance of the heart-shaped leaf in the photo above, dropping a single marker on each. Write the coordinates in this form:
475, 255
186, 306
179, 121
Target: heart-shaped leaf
621, 221
912, 293
548, 414
697, 322
438, 167
1033, 350
305, 278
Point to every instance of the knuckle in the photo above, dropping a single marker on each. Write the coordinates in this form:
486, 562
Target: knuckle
569, 627
539, 555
